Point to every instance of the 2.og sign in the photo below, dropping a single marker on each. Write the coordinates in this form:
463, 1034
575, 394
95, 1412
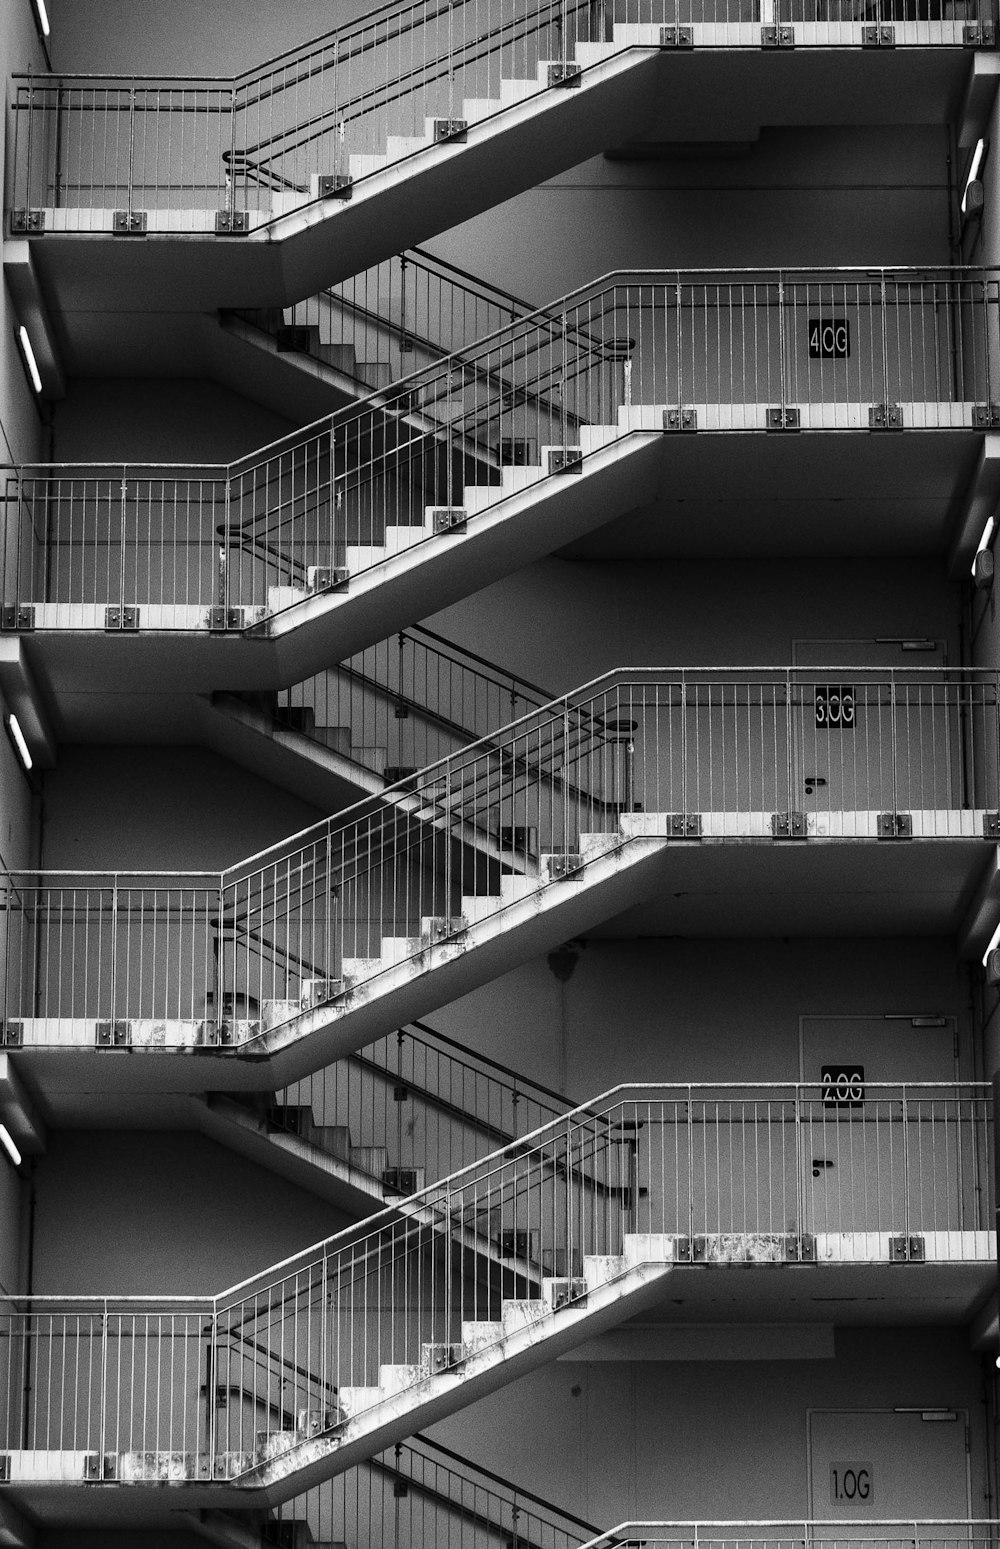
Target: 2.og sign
851, 1482
829, 338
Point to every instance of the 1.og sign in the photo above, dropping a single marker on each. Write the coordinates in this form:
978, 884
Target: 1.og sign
851, 1482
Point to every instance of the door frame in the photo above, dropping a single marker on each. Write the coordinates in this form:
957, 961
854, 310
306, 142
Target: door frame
964, 1416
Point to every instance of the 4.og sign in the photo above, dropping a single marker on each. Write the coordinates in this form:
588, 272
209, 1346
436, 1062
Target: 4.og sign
829, 338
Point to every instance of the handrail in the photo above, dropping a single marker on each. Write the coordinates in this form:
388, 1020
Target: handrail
487, 1473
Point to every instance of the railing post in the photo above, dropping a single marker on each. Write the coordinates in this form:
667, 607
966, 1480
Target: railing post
782, 363
887, 396
800, 1175
211, 1395
103, 1419
690, 1163
906, 1164
218, 992
231, 177
114, 949
789, 743
131, 148
124, 518
894, 805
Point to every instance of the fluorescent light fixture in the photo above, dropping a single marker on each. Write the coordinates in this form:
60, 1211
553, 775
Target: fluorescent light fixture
43, 21
984, 541
7, 1141
974, 166
994, 941
29, 358
17, 737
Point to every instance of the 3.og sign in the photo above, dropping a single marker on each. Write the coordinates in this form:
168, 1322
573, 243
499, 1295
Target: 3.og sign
829, 338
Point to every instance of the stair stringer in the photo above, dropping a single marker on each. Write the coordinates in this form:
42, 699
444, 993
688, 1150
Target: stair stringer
630, 1288
338, 1180
287, 758
431, 575
524, 928
443, 184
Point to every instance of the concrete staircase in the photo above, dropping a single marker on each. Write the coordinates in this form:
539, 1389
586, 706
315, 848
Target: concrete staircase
529, 1333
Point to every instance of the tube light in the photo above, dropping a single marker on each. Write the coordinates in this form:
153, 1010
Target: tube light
17, 737
976, 163
987, 537
29, 358
43, 19
7, 1141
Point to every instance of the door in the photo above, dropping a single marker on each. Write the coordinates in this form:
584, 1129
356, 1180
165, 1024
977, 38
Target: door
866, 740
892, 1160
888, 1466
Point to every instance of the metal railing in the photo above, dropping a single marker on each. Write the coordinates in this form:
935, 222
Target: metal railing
835, 752
840, 1533
413, 1107
226, 546
220, 1387
420, 1492
406, 702
182, 150
391, 319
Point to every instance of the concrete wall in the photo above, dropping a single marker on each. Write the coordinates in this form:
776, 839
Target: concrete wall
796, 196
180, 808
561, 622
148, 420
684, 1439
189, 1216
671, 1010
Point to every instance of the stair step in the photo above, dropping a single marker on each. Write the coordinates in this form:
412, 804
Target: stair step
647, 1248
515, 1315
516, 91
357, 969
371, 758
399, 145
475, 109
372, 1160
399, 949
599, 1269
479, 1335
280, 597
593, 53
592, 846
479, 906
353, 1401
364, 165
593, 437
358, 558
336, 738
335, 1140
285, 201
512, 888
343, 357
377, 373
396, 1379
398, 538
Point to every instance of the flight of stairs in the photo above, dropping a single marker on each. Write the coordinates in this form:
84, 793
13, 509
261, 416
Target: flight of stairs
487, 1354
